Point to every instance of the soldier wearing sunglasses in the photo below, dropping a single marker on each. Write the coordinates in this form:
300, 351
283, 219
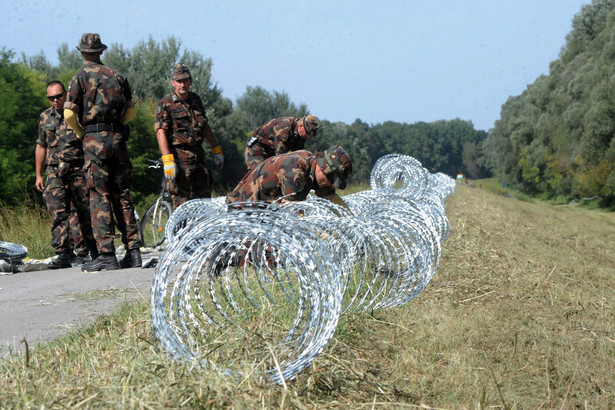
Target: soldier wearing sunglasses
59, 153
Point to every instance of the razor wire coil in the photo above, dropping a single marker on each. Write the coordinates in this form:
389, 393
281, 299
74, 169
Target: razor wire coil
294, 268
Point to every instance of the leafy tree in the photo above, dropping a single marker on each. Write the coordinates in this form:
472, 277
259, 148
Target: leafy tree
555, 137
21, 101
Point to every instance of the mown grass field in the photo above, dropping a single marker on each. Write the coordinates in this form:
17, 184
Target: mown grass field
520, 314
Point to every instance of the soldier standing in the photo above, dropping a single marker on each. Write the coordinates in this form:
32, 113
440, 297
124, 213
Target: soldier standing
279, 136
181, 126
99, 105
59, 148
291, 176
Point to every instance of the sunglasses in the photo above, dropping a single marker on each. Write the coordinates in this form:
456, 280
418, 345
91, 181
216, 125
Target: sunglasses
55, 97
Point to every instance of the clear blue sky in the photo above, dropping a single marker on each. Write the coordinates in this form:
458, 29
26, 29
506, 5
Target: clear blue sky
404, 61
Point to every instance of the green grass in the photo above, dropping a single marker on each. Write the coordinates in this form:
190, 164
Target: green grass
520, 314
28, 225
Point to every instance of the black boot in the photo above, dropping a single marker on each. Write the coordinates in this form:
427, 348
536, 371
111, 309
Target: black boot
102, 262
132, 259
62, 261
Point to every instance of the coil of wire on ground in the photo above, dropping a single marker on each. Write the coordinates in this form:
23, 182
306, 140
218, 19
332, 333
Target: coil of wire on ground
309, 261
195, 208
247, 283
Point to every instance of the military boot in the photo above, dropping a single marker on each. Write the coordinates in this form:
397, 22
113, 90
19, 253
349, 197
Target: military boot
132, 259
104, 261
62, 261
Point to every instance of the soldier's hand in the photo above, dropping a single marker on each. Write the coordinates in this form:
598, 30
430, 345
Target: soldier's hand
219, 160
170, 169
40, 185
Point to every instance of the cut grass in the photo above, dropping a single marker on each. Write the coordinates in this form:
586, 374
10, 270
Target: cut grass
519, 314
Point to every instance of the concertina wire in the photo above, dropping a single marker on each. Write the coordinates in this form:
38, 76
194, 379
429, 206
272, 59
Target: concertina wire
263, 287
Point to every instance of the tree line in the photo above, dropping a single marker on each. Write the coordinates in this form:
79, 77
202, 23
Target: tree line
450, 147
556, 139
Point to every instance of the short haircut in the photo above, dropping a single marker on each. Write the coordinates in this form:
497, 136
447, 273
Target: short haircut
56, 82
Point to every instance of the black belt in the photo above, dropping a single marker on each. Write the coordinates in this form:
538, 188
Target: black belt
78, 163
100, 127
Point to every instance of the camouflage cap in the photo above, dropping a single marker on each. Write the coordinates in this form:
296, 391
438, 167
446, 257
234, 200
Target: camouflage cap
311, 124
180, 71
90, 43
335, 164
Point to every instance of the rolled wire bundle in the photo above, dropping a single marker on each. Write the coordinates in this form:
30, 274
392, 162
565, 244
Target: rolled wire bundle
248, 289
237, 274
416, 240
393, 169
190, 210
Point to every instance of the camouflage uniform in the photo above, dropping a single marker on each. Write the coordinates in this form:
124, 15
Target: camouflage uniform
99, 95
184, 123
278, 136
76, 239
291, 176
65, 181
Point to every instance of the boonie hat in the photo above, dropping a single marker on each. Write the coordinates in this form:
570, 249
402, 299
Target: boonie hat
336, 165
311, 123
90, 43
180, 71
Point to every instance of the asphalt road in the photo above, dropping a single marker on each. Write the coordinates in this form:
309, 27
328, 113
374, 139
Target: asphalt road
42, 305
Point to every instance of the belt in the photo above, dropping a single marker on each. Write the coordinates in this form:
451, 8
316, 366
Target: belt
100, 127
76, 163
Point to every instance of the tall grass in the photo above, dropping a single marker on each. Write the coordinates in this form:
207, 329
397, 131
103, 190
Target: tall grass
520, 314
28, 225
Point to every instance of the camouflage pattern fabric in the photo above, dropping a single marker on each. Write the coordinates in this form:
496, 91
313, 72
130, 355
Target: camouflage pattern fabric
58, 138
99, 94
289, 175
185, 119
278, 136
184, 122
65, 185
193, 179
76, 240
109, 181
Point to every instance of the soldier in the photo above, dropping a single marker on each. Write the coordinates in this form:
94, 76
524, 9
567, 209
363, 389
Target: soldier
59, 148
291, 176
181, 126
99, 105
279, 136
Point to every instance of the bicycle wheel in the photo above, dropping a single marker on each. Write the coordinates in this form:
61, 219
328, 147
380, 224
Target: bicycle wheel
154, 222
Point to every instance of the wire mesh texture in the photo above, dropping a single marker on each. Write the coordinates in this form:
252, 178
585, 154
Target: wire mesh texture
262, 286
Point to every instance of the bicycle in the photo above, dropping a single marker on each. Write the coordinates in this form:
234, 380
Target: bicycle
152, 226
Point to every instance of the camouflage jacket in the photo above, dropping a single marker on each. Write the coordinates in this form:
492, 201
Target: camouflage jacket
185, 119
58, 138
288, 175
98, 95
279, 136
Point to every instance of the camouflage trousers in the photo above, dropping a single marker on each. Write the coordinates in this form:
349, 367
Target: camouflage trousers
254, 155
109, 176
66, 187
75, 239
193, 179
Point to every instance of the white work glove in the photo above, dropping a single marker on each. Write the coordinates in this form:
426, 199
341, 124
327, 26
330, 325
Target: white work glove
218, 157
219, 160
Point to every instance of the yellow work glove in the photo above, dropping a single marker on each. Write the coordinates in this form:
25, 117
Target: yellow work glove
71, 119
218, 157
169, 166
